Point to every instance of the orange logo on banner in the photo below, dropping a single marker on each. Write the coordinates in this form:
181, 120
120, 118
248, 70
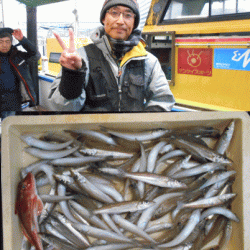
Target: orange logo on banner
195, 61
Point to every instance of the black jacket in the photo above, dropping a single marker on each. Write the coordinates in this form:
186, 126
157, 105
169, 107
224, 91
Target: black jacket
19, 62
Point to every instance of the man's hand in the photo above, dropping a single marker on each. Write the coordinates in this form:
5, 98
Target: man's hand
69, 58
18, 34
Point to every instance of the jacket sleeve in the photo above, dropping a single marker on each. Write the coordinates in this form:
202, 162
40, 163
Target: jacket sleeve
159, 95
67, 92
32, 53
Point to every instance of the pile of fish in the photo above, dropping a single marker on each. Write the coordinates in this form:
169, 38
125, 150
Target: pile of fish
110, 189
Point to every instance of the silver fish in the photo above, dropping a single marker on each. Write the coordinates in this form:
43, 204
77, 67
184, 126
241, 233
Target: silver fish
171, 154
101, 234
76, 161
209, 202
110, 222
177, 165
128, 226
148, 213
225, 139
96, 135
123, 207
218, 177
152, 157
203, 153
61, 190
57, 242
37, 143
52, 230
90, 188
158, 227
156, 180
203, 168
113, 155
143, 168
79, 238
139, 136
220, 210
49, 154
55, 198
118, 246
88, 215
186, 231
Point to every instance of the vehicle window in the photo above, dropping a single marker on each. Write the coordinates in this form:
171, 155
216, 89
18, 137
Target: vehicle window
195, 9
243, 6
223, 7
187, 9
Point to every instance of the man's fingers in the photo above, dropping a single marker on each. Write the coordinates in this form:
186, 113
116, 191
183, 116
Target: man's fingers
70, 60
71, 41
60, 41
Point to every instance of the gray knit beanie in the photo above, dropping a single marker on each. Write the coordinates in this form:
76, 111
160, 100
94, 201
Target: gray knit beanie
132, 4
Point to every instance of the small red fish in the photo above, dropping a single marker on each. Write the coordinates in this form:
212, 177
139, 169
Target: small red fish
28, 207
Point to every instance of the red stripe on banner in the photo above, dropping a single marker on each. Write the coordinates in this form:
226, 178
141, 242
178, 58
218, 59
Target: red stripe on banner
246, 39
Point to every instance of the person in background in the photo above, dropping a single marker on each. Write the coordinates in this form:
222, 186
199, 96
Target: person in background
16, 85
115, 73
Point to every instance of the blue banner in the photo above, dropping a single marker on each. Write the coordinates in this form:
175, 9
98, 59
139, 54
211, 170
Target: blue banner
235, 59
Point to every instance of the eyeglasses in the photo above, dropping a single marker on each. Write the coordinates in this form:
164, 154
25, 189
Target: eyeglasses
7, 42
126, 15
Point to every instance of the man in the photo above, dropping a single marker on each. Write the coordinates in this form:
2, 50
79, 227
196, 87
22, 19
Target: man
115, 73
16, 85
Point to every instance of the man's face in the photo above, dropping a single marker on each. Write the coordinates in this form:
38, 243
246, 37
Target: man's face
5, 44
119, 26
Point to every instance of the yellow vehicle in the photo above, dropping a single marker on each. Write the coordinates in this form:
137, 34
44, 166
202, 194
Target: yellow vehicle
204, 49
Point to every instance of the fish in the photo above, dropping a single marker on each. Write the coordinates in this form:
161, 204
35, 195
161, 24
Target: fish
28, 206
138, 136
169, 155
88, 215
186, 231
153, 154
220, 210
96, 135
198, 131
56, 198
37, 143
148, 213
200, 169
64, 225
225, 139
50, 154
209, 202
158, 227
76, 161
90, 188
101, 234
128, 226
123, 207
156, 180
150, 178
201, 152
218, 177
177, 165
148, 189
57, 242
113, 155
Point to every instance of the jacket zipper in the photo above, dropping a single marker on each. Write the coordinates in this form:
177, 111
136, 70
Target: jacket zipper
119, 88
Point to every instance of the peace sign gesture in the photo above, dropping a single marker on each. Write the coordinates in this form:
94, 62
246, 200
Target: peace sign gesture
69, 58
